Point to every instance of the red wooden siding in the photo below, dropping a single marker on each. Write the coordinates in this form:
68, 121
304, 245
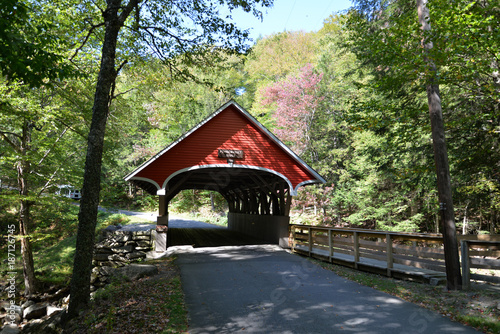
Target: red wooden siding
229, 129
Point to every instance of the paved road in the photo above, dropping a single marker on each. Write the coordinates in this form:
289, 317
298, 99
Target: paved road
263, 289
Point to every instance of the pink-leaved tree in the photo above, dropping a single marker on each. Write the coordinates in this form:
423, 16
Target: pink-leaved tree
294, 100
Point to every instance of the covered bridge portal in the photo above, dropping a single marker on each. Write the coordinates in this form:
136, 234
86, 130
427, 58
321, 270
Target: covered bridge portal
232, 153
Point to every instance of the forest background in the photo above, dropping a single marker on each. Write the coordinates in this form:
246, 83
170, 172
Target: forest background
349, 99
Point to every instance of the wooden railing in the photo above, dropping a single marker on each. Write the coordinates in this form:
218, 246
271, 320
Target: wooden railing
388, 253
480, 252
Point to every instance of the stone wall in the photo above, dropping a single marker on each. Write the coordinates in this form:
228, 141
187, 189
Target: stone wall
119, 246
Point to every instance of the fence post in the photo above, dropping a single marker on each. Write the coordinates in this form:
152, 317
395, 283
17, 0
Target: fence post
390, 260
310, 241
330, 244
356, 249
464, 250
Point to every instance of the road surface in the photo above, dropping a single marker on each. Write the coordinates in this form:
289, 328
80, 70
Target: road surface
264, 289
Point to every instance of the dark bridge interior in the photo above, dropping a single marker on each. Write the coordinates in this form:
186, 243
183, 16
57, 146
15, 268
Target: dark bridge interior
209, 237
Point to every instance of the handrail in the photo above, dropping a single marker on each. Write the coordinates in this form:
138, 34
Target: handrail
339, 244
468, 263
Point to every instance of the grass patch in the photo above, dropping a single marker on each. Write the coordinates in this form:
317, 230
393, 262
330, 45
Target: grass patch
149, 305
206, 216
54, 263
477, 308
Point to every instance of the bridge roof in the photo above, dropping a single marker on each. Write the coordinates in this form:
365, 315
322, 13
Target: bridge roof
230, 148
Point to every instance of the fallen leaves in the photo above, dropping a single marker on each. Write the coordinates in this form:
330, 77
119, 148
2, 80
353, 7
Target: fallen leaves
149, 305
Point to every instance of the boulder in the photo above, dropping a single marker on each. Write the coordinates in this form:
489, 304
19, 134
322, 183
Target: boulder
136, 271
52, 309
10, 329
35, 311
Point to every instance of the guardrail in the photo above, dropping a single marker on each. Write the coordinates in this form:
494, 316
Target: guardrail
395, 254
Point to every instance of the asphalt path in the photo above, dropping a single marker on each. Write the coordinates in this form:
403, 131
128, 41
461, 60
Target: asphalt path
264, 289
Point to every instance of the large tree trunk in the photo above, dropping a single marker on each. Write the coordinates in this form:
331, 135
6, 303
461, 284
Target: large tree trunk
89, 203
453, 276
23, 170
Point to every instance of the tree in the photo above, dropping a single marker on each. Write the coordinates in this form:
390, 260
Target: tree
35, 155
161, 26
295, 99
30, 51
31, 55
454, 278
387, 37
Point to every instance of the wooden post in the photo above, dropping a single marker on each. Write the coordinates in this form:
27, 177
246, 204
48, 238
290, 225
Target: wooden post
356, 249
390, 259
310, 240
464, 248
330, 244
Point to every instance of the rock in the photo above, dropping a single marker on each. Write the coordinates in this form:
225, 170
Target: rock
10, 329
117, 257
13, 313
35, 311
117, 248
136, 255
11, 308
142, 237
27, 304
136, 271
101, 257
66, 299
123, 249
112, 228
52, 309
48, 326
14, 318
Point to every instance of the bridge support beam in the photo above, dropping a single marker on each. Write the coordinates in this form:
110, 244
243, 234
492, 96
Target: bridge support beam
269, 228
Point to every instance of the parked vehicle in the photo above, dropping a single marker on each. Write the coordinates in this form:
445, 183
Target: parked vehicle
69, 191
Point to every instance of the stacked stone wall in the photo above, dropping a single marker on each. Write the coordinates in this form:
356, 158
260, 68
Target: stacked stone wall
118, 247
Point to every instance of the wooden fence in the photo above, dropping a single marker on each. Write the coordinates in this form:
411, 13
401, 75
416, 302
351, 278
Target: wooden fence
481, 252
418, 256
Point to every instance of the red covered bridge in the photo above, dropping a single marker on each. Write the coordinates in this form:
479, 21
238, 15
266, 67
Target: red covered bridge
232, 153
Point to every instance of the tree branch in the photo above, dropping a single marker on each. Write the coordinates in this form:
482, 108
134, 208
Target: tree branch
10, 142
86, 39
49, 150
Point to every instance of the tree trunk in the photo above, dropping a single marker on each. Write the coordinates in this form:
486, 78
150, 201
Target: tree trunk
453, 276
89, 203
23, 170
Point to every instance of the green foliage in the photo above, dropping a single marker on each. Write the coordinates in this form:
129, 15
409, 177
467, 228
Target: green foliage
31, 51
54, 219
387, 42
